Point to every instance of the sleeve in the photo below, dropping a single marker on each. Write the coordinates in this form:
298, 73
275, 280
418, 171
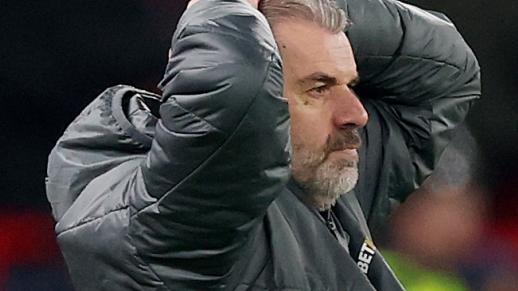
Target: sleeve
418, 81
219, 158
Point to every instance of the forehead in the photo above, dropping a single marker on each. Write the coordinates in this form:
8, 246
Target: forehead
307, 48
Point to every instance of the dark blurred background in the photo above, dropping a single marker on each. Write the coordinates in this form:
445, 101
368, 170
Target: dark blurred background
56, 56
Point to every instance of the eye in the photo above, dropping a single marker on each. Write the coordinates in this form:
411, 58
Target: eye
318, 91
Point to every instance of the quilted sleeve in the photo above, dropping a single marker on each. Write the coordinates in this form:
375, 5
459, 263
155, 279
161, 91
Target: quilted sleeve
419, 79
220, 154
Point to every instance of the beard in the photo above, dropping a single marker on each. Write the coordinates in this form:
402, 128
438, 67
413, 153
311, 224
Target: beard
323, 176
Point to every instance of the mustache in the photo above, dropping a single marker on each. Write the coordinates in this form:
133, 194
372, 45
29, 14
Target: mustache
344, 139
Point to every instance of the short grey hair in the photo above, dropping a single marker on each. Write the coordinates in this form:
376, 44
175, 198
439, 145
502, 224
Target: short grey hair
324, 13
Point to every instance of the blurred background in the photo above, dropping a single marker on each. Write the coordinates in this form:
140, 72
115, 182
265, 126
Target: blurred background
460, 232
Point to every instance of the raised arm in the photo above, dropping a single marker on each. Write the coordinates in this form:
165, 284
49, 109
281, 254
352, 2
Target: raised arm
418, 80
221, 148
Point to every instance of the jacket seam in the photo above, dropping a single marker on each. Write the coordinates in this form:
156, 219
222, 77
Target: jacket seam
176, 103
119, 93
416, 58
217, 149
137, 212
91, 219
288, 222
144, 262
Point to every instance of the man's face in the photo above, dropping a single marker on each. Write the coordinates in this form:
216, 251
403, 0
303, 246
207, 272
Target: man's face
319, 72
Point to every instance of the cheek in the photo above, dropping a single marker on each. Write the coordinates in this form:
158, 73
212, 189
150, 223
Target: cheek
309, 127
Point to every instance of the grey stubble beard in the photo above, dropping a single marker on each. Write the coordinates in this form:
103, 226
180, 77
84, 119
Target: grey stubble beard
323, 179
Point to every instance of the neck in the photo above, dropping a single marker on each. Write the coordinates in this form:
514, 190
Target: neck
254, 3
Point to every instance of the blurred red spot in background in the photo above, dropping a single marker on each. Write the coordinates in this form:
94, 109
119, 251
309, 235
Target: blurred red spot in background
26, 237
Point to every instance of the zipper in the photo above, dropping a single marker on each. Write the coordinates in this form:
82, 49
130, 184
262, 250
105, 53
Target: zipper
330, 222
331, 225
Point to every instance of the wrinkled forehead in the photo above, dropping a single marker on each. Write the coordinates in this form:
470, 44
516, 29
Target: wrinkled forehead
306, 47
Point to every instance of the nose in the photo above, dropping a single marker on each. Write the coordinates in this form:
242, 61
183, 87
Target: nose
348, 111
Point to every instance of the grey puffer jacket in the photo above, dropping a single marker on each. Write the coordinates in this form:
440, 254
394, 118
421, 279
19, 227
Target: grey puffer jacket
191, 191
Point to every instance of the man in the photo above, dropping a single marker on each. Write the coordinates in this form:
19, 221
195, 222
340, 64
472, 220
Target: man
195, 195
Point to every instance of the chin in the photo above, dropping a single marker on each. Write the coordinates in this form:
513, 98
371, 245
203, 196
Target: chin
325, 178
332, 180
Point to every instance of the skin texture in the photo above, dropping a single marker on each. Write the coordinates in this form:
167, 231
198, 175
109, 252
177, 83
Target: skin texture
319, 73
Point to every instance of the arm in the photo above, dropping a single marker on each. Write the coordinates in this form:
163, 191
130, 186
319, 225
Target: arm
220, 153
419, 79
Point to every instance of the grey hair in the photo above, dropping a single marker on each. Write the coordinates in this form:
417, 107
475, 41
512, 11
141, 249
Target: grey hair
324, 13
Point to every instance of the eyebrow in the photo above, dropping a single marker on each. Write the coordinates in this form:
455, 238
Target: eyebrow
327, 79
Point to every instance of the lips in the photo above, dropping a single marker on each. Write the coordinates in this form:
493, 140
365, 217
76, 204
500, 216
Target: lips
349, 154
344, 140
350, 151
345, 144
